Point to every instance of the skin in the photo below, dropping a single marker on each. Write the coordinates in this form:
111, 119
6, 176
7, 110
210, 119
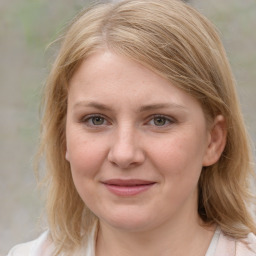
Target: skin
126, 122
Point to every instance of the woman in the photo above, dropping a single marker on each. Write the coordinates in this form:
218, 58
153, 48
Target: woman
143, 136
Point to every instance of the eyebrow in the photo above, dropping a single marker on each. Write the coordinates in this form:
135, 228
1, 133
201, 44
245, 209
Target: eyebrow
144, 108
160, 106
93, 104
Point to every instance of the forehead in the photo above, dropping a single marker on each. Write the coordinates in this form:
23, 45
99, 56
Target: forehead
113, 79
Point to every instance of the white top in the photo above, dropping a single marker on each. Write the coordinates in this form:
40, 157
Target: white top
213, 245
220, 245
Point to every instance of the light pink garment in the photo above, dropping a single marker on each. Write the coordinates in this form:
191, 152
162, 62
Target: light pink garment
230, 247
226, 246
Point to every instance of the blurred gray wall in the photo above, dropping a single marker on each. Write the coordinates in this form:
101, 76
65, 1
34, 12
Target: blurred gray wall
26, 28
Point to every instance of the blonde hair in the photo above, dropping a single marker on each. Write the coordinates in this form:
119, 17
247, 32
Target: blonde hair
181, 45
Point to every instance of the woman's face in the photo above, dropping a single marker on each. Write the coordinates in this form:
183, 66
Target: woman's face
136, 143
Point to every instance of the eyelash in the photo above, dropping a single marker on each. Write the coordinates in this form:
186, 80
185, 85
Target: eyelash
165, 118
88, 120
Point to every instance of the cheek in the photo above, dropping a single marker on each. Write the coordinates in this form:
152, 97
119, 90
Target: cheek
179, 157
85, 155
85, 160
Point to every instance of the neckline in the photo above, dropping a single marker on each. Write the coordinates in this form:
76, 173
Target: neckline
210, 251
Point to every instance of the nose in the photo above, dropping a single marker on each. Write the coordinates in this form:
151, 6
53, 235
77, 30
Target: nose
126, 150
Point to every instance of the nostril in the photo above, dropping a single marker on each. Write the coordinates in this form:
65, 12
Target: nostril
125, 160
125, 151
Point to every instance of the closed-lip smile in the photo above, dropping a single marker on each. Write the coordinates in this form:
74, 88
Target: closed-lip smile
128, 187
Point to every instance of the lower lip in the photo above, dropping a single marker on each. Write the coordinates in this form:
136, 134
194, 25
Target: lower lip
128, 190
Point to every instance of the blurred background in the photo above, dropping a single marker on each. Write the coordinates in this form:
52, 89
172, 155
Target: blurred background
26, 28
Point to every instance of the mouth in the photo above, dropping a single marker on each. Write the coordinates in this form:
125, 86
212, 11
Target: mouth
129, 187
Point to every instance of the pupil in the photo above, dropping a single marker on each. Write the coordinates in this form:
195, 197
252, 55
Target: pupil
159, 121
97, 120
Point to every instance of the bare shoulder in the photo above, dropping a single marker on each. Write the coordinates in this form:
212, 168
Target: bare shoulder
41, 246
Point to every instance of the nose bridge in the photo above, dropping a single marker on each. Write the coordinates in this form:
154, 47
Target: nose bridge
125, 148
126, 132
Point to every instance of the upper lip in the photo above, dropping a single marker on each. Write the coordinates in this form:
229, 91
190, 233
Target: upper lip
129, 182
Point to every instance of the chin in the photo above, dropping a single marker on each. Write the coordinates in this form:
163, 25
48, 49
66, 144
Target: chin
130, 222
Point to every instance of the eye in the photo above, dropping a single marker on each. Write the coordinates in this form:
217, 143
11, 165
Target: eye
159, 120
95, 120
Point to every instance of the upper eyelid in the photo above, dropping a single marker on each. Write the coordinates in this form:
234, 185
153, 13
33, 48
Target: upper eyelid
172, 119
86, 118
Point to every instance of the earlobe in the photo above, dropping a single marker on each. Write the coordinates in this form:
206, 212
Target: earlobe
217, 141
67, 156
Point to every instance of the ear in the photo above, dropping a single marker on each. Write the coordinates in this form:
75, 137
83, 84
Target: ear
67, 155
217, 141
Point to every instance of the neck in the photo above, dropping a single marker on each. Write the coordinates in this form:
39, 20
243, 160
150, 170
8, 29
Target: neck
184, 235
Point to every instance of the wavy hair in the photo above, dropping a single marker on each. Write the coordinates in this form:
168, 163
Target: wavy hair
178, 43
